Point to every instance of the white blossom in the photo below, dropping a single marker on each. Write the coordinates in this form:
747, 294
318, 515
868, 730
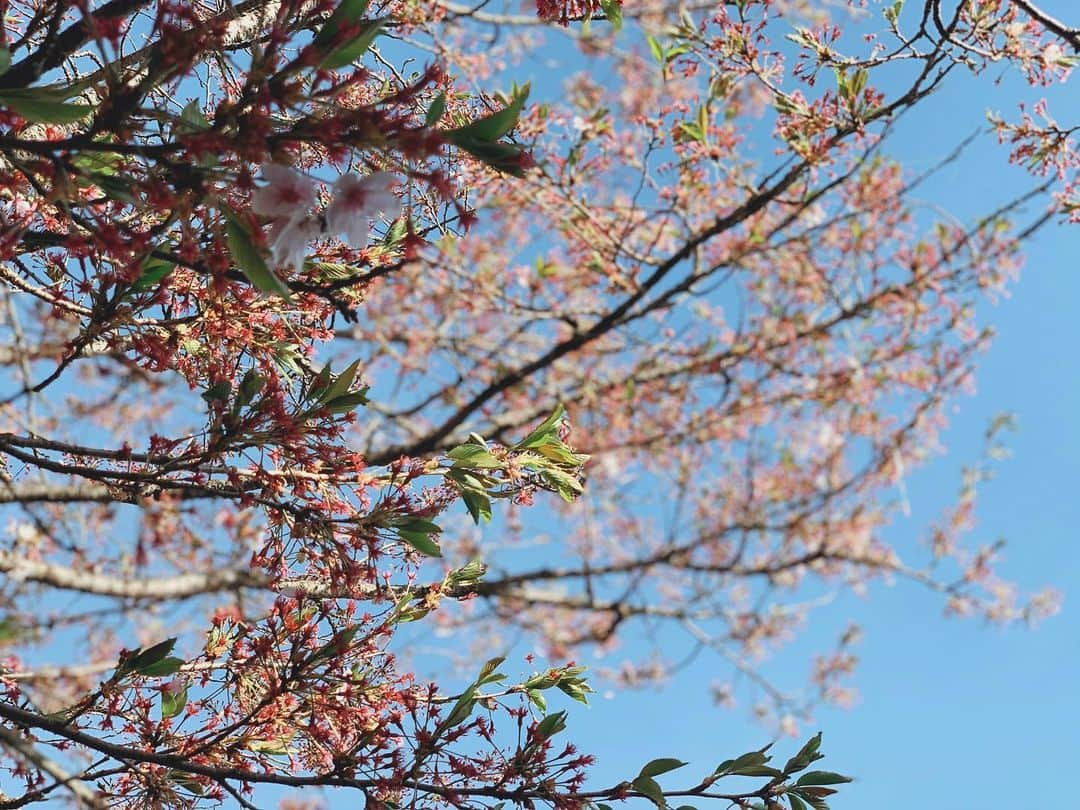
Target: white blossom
288, 194
356, 202
289, 239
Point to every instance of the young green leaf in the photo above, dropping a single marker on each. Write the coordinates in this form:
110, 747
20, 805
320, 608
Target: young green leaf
354, 49
478, 504
154, 272
613, 12
660, 766
218, 392
648, 787
822, 778
656, 49
487, 671
249, 387
347, 13
421, 541
493, 126
749, 759
140, 659
172, 703
551, 725
536, 697
249, 260
192, 118
473, 456
544, 431
436, 110
43, 108
461, 710
340, 384
503, 157
164, 667
807, 754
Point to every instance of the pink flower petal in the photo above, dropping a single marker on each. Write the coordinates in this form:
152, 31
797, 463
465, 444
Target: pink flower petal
288, 193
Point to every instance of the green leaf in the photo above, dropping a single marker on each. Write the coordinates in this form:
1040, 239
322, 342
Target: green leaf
335, 646
468, 575
613, 12
396, 232
347, 12
42, 109
503, 157
487, 671
139, 659
656, 49
561, 454
822, 778
815, 802
749, 759
173, 703
166, 666
249, 260
340, 385
9, 630
807, 754
97, 164
478, 504
551, 725
287, 357
563, 483
796, 802
421, 541
416, 524
577, 691
277, 747
436, 110
474, 456
153, 273
249, 386
659, 766
319, 384
858, 82
186, 781
537, 698
333, 271
192, 118
5, 60
349, 402
816, 792
648, 787
462, 709
757, 770
355, 48
492, 127
545, 431
218, 392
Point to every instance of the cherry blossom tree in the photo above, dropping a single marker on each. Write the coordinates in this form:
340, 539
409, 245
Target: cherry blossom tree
316, 325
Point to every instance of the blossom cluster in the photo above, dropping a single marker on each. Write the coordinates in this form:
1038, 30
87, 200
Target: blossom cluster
289, 196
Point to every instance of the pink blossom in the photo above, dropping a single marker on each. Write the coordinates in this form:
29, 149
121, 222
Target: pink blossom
288, 193
356, 202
